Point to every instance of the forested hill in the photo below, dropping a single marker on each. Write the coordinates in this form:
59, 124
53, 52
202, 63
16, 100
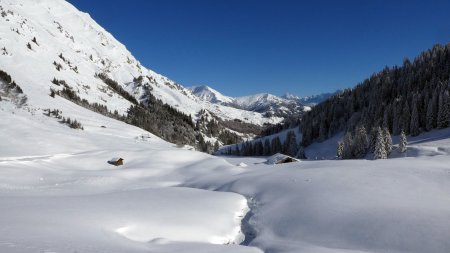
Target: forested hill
413, 98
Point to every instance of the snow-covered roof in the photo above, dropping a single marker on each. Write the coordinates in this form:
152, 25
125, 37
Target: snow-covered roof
280, 158
115, 159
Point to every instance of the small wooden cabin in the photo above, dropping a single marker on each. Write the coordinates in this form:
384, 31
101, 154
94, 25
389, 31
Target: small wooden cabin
281, 158
116, 161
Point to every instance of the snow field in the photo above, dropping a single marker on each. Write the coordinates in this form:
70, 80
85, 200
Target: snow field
55, 183
59, 194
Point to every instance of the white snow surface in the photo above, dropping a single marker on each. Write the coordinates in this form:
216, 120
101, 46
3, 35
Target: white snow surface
59, 28
59, 194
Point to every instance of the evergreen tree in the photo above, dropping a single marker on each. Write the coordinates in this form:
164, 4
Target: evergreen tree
442, 112
403, 142
360, 143
380, 146
258, 148
386, 119
348, 146
290, 144
340, 150
414, 125
406, 117
267, 150
372, 139
323, 133
301, 153
237, 151
249, 149
396, 118
387, 141
216, 146
276, 145
430, 116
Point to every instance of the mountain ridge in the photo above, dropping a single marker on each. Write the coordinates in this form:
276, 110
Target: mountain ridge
50, 48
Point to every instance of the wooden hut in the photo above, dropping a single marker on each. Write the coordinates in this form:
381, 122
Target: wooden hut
116, 161
281, 158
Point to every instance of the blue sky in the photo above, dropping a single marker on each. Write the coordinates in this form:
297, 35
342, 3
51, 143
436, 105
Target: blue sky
242, 47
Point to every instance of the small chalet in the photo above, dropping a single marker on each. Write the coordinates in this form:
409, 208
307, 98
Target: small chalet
281, 158
116, 161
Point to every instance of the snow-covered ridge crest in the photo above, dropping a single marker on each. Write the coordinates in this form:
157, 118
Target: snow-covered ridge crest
46, 39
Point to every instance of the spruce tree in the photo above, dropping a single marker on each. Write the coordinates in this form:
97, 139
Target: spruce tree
430, 116
348, 146
442, 115
372, 139
216, 146
387, 141
301, 152
258, 148
414, 125
406, 117
403, 142
380, 146
276, 145
237, 151
360, 142
396, 120
267, 147
340, 150
290, 144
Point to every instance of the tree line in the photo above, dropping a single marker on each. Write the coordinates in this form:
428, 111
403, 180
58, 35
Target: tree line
268, 146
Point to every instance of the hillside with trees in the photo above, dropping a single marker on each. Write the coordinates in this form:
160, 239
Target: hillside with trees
413, 98
405, 100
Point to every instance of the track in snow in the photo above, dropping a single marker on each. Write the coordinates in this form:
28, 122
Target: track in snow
247, 227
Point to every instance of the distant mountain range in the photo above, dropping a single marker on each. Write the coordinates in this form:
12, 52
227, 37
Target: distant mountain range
316, 99
265, 103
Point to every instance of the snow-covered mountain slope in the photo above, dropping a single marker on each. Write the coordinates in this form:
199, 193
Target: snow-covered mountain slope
264, 103
46, 39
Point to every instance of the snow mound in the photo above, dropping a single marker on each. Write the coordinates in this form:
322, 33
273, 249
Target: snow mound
242, 164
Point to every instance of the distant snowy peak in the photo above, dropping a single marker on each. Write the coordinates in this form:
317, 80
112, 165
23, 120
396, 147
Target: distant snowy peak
316, 99
209, 94
290, 96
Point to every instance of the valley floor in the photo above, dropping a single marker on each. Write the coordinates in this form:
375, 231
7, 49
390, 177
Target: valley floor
59, 194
